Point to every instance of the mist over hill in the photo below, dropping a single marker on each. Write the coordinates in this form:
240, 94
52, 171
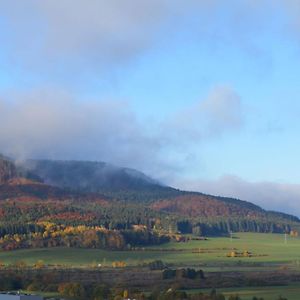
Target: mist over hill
128, 197
7, 169
85, 175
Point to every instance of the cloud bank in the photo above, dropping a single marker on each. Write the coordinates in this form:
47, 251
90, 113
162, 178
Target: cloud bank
269, 195
55, 124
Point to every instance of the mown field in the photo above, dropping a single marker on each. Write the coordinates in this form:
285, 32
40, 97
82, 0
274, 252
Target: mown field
291, 292
268, 250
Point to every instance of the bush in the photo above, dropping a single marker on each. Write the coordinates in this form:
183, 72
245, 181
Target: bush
34, 286
72, 290
156, 265
9, 284
168, 274
183, 273
101, 292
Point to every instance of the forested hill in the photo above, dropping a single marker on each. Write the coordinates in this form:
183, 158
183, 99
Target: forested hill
125, 184
99, 194
86, 176
7, 169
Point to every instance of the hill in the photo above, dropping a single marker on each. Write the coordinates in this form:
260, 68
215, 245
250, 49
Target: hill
7, 169
91, 204
194, 205
85, 175
209, 215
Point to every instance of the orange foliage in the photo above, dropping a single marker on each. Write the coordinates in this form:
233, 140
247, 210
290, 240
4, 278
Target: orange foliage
202, 205
70, 216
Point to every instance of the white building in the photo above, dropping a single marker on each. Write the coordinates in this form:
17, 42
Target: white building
17, 296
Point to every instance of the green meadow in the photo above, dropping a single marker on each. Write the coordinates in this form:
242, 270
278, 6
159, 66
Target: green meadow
268, 250
291, 292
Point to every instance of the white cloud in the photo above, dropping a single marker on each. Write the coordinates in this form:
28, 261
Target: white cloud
77, 38
219, 112
86, 33
51, 123
55, 124
101, 32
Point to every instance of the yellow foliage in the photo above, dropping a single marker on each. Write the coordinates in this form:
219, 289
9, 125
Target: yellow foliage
20, 264
45, 234
118, 264
294, 233
2, 265
232, 254
39, 264
247, 253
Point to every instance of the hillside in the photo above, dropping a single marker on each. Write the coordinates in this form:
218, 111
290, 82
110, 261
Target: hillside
85, 175
210, 215
83, 200
194, 205
7, 169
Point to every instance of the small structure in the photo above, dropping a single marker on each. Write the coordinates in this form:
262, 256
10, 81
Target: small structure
19, 296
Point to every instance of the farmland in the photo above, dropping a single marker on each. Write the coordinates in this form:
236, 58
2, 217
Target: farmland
271, 270
266, 249
291, 292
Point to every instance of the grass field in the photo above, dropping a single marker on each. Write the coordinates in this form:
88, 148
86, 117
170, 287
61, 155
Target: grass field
291, 292
268, 250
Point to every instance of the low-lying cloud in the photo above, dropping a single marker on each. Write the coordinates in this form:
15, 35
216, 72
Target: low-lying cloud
55, 124
269, 195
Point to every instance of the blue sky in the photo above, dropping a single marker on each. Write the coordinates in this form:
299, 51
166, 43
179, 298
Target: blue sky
202, 95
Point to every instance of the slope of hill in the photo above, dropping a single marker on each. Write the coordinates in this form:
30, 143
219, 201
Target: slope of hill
193, 205
7, 169
201, 206
85, 175
120, 198
20, 187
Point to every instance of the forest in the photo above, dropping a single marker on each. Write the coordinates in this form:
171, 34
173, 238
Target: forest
34, 214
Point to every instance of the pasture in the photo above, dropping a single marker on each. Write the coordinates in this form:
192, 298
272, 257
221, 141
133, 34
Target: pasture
290, 292
268, 250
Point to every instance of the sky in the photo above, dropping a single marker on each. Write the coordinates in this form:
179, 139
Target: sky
201, 95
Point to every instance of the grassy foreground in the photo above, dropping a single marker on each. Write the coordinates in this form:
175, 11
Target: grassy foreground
267, 249
291, 292
267, 293
269, 252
